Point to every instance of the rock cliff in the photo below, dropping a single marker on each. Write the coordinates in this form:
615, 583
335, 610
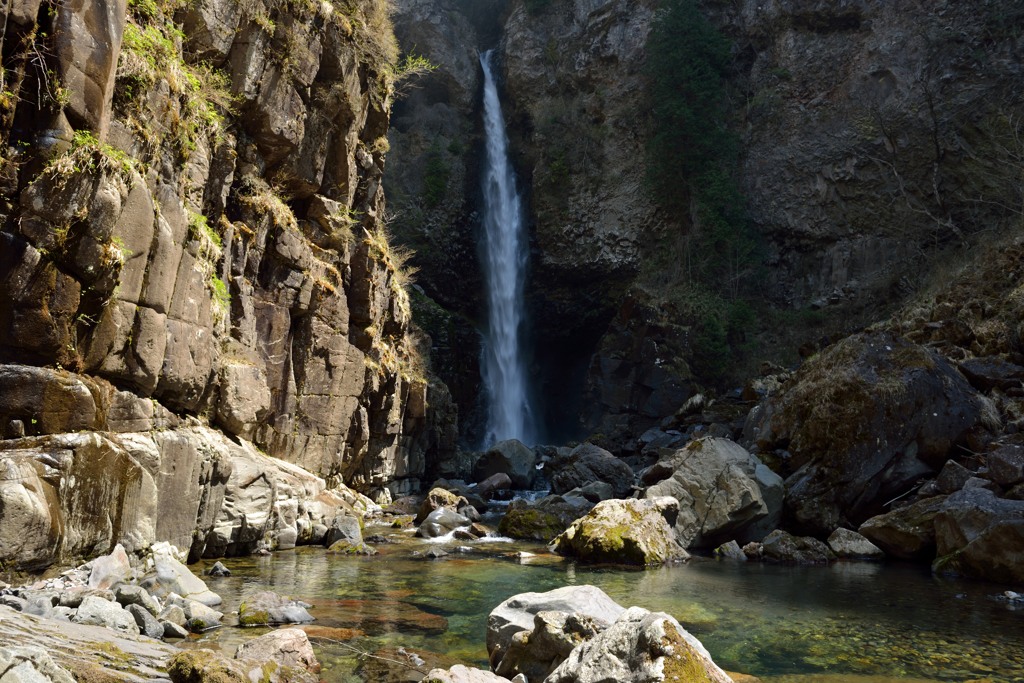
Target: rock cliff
878, 143
197, 273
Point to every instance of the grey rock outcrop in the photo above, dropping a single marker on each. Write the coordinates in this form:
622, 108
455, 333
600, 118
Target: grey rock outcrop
980, 535
543, 519
724, 492
99, 612
782, 546
27, 664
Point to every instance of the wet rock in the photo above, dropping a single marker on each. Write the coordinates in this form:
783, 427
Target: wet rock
730, 551
543, 519
850, 545
432, 553
509, 457
753, 550
198, 617
345, 528
30, 665
401, 665
440, 522
99, 612
496, 482
981, 536
588, 463
624, 531
172, 630
218, 569
14, 602
864, 420
781, 546
437, 498
640, 646
517, 614
595, 491
723, 492
346, 548
907, 532
147, 623
207, 666
267, 608
470, 513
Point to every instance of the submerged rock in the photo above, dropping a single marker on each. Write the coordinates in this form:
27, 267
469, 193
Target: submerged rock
267, 608
626, 532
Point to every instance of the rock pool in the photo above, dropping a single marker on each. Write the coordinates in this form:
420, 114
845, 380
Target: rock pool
846, 622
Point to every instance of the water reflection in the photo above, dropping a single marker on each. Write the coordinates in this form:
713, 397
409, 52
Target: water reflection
792, 624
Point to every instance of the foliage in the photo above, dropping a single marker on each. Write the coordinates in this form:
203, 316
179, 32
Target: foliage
150, 54
435, 178
692, 157
88, 155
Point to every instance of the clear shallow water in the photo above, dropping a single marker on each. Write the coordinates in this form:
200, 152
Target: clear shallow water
850, 621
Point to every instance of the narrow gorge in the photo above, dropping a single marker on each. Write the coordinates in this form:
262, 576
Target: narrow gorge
405, 332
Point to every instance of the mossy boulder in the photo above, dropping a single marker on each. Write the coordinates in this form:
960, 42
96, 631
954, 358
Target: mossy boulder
629, 531
860, 423
543, 519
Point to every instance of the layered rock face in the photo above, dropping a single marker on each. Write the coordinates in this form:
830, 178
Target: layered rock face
194, 233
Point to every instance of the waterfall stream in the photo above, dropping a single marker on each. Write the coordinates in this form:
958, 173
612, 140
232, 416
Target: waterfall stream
504, 255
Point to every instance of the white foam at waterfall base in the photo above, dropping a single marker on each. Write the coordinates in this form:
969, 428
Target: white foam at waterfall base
504, 256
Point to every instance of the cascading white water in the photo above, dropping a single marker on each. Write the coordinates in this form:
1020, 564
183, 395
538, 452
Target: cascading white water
504, 264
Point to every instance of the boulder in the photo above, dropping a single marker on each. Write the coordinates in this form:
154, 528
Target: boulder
782, 546
537, 652
952, 477
1006, 465
168, 575
286, 648
267, 608
849, 545
543, 519
517, 614
198, 617
128, 594
509, 457
981, 536
100, 612
108, 570
30, 665
438, 498
219, 570
462, 674
907, 532
730, 551
147, 623
441, 522
345, 528
724, 493
496, 482
625, 532
588, 463
862, 421
640, 647
991, 372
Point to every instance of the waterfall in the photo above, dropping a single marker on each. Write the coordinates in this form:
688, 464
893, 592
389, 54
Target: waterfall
503, 251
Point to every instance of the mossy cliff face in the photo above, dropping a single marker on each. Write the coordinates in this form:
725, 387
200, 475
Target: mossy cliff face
193, 229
